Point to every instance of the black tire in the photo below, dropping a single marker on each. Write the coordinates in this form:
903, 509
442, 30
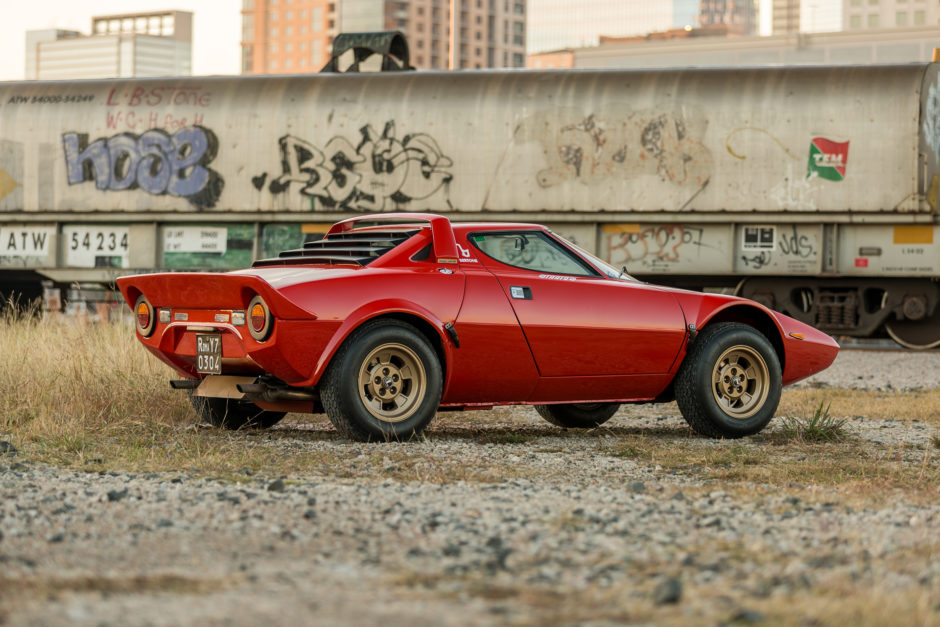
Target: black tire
226, 413
384, 383
578, 415
729, 384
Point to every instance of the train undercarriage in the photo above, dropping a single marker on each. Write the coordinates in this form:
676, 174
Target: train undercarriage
906, 310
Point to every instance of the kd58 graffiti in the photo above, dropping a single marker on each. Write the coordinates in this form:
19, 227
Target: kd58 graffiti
154, 161
379, 171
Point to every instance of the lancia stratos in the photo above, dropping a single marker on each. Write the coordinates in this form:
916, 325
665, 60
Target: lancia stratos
391, 318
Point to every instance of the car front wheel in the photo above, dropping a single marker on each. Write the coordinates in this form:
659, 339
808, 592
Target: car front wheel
578, 415
729, 383
384, 383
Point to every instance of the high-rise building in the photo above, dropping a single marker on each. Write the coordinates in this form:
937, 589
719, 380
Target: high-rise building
863, 14
126, 45
559, 24
740, 16
786, 17
803, 16
286, 36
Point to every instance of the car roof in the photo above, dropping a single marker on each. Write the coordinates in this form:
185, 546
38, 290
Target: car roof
458, 227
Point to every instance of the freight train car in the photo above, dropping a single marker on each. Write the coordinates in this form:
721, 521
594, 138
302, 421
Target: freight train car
811, 189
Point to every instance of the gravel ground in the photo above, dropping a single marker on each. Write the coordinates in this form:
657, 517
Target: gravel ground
584, 538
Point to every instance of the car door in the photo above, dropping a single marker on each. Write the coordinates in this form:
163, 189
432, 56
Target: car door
578, 322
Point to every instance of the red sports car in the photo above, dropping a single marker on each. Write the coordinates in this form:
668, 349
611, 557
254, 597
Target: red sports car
391, 317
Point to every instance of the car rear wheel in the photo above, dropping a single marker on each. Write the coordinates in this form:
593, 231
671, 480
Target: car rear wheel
578, 415
384, 383
729, 384
226, 413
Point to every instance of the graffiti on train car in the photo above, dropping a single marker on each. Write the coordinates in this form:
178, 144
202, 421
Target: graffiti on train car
796, 248
154, 161
147, 108
652, 245
931, 126
379, 173
593, 148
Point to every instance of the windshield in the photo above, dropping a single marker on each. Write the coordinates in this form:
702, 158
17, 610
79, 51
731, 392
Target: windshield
607, 269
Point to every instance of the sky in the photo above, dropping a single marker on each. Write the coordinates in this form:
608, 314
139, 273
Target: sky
216, 28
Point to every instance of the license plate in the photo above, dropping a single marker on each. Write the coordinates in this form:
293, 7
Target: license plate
209, 353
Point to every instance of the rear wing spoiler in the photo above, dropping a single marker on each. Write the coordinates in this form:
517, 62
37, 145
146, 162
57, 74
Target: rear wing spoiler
442, 233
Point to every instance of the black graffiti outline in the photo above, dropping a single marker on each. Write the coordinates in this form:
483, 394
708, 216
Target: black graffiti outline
378, 170
796, 244
758, 261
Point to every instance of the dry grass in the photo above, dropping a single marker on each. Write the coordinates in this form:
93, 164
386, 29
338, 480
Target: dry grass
92, 397
919, 405
66, 387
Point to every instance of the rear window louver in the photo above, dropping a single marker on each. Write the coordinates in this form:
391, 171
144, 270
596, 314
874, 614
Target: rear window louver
352, 247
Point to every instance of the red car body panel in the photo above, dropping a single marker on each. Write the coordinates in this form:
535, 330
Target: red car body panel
570, 339
494, 363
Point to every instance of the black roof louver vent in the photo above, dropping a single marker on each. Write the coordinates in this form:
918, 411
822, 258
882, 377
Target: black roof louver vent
351, 247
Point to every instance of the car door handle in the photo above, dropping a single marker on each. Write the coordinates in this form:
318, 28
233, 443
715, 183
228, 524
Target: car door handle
520, 292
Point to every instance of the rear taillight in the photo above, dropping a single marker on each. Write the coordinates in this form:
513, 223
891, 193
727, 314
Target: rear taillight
259, 319
144, 314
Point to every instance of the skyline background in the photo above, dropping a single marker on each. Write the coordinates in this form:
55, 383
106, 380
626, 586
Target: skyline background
216, 28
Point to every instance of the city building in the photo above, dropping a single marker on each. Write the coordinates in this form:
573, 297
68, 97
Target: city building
820, 16
126, 45
560, 24
287, 36
740, 16
898, 45
866, 14
785, 17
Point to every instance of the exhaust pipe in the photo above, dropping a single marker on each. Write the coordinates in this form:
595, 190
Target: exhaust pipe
263, 393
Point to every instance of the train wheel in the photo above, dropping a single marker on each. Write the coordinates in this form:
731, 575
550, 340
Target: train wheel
916, 334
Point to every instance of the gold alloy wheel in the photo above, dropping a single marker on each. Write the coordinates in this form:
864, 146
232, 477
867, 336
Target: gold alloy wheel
741, 381
392, 382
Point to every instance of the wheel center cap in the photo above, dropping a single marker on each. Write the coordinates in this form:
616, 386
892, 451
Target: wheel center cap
387, 382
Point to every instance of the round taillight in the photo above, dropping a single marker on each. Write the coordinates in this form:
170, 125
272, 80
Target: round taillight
259, 319
144, 314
